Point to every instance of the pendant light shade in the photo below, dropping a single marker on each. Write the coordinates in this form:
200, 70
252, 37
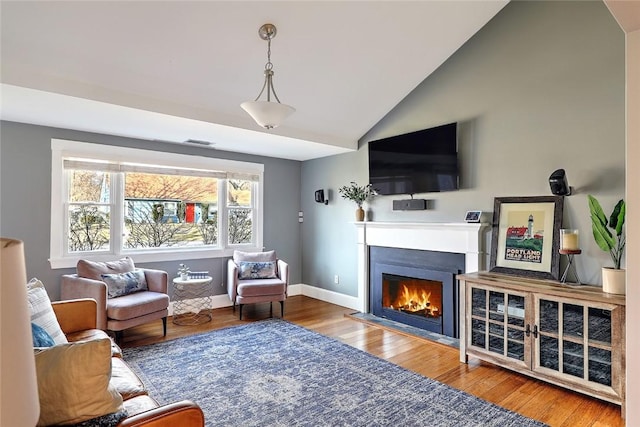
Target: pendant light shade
267, 113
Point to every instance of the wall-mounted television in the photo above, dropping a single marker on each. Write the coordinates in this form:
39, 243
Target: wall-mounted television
424, 161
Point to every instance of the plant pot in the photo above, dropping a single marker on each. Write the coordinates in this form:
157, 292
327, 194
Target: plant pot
184, 276
359, 214
613, 280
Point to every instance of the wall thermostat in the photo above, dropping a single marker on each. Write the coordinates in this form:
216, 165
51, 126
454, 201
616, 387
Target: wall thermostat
473, 216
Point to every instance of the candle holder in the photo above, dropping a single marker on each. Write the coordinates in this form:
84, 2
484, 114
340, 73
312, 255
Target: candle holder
569, 246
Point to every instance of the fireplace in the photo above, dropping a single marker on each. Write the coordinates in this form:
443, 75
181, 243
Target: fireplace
415, 287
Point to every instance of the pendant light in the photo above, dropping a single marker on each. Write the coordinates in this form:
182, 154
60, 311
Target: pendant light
268, 114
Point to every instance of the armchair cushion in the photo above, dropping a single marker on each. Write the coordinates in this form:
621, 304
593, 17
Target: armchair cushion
73, 382
41, 311
94, 270
261, 287
119, 284
136, 305
256, 270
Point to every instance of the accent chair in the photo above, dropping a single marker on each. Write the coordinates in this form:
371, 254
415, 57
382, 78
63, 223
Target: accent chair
254, 277
126, 296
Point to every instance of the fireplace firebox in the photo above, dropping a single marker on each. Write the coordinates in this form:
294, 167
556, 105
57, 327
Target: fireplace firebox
417, 288
416, 297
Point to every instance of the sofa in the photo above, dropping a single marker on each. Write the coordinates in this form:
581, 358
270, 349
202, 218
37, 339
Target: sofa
77, 319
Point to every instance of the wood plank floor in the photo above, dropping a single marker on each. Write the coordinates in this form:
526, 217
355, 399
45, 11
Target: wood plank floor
532, 398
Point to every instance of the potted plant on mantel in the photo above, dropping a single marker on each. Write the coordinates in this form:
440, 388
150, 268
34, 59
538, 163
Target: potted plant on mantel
612, 241
357, 194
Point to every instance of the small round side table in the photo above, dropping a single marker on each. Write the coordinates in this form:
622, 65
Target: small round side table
192, 301
570, 253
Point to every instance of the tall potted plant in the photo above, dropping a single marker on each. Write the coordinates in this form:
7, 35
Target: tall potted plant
358, 194
609, 235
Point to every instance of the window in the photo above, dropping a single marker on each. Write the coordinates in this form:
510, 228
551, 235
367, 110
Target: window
155, 205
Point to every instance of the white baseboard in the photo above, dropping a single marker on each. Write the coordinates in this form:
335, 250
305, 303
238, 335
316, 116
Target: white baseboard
326, 296
219, 301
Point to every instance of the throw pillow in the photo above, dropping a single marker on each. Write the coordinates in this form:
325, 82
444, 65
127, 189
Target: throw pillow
41, 311
93, 270
73, 382
257, 270
124, 283
239, 256
40, 337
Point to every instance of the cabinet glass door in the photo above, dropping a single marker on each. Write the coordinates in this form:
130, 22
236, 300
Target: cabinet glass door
599, 342
548, 342
497, 322
575, 339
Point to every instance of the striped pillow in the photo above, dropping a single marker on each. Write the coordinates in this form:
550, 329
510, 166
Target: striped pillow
41, 311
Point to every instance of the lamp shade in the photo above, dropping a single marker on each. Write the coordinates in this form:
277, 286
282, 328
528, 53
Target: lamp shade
268, 114
19, 404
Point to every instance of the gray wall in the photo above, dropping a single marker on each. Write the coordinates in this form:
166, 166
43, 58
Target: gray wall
540, 87
25, 199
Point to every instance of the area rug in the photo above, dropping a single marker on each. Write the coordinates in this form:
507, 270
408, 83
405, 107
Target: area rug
274, 373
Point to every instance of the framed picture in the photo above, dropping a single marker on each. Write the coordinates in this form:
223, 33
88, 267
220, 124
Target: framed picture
526, 235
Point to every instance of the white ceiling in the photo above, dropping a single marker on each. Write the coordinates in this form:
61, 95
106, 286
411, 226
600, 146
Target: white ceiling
174, 70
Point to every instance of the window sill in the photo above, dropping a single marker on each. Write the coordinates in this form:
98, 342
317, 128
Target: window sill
147, 256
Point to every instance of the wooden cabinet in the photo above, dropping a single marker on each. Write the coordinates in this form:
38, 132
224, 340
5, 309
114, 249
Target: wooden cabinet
569, 335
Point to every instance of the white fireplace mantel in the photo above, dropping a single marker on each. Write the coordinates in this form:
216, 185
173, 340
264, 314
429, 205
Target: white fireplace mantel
464, 238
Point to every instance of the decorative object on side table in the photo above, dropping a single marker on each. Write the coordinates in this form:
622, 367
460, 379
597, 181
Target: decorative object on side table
569, 246
183, 271
609, 236
198, 274
357, 194
526, 232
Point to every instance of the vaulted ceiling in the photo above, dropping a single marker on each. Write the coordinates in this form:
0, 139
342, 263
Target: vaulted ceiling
175, 70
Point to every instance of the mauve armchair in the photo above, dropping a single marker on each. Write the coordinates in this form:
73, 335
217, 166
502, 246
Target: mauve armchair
122, 312
254, 277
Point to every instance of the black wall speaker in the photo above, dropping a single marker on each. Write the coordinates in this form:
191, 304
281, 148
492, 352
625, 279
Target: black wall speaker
410, 205
558, 183
320, 197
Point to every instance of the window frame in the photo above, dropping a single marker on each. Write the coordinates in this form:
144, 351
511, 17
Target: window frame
60, 149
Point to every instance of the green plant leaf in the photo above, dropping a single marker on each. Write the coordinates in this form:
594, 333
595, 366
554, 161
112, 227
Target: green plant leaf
617, 217
602, 235
596, 211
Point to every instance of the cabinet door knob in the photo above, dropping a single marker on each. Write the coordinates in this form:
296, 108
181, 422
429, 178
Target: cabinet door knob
527, 330
535, 331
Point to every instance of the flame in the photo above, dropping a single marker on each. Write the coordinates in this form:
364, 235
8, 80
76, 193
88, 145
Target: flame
415, 300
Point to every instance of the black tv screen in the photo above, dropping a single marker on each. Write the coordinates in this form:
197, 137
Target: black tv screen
418, 162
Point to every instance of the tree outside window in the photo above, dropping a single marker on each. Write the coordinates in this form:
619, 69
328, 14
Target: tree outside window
239, 202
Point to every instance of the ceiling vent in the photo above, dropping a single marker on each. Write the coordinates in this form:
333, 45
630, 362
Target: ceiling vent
199, 142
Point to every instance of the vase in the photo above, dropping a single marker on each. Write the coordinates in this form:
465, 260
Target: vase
184, 276
613, 280
359, 214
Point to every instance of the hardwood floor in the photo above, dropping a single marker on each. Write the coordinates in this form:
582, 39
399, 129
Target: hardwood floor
550, 404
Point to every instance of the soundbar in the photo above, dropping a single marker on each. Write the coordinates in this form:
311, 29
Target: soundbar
410, 205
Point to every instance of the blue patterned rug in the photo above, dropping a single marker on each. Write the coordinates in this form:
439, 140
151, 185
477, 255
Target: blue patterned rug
274, 373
